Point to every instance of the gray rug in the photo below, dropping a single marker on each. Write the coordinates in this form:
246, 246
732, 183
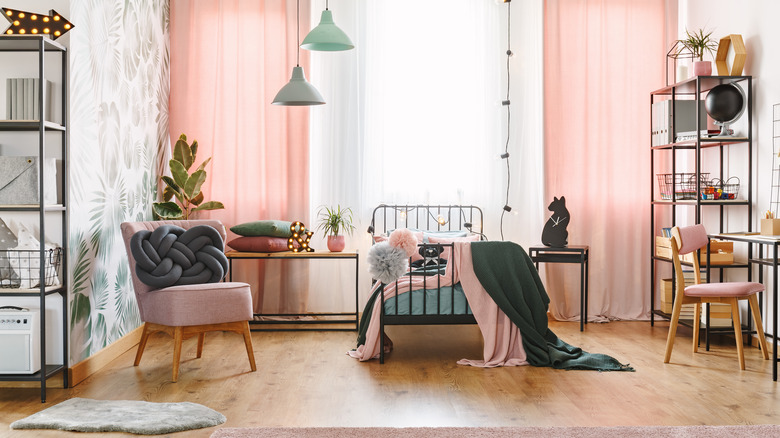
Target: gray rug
139, 417
767, 430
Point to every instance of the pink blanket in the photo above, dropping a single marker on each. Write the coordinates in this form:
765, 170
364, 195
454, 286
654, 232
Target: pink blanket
503, 345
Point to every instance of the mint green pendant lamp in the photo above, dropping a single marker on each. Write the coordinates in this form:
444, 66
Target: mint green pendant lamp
327, 37
298, 92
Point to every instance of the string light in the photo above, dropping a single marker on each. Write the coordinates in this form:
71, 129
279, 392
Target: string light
507, 103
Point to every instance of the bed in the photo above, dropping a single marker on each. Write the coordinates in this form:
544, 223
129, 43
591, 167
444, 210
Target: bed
436, 296
492, 284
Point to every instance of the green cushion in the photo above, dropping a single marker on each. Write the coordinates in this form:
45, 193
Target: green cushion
270, 228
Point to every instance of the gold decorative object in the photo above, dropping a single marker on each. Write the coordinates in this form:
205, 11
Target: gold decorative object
31, 23
300, 235
734, 41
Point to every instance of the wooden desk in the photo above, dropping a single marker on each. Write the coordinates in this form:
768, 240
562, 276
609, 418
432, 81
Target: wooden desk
568, 254
760, 241
317, 255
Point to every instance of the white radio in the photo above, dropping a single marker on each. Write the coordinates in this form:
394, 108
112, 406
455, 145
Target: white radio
20, 341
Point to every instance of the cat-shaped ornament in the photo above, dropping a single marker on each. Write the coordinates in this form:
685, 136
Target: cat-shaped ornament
554, 233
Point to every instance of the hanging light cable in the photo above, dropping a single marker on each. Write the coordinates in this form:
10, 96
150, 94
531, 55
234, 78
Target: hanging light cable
327, 37
506, 102
298, 92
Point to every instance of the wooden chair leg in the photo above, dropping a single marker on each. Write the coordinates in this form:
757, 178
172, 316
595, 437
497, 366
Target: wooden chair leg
696, 326
737, 331
753, 301
201, 338
673, 327
249, 349
142, 344
178, 336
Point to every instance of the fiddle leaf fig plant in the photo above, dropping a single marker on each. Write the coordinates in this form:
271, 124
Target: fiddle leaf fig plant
183, 186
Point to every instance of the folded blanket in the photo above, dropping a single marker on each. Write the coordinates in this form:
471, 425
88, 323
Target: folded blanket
509, 276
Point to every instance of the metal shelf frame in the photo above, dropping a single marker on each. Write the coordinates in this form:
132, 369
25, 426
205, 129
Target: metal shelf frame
41, 45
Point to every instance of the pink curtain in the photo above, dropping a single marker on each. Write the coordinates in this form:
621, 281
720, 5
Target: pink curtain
602, 58
228, 60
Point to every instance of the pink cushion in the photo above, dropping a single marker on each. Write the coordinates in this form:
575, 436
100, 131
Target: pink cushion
730, 289
197, 304
446, 254
419, 235
693, 238
260, 244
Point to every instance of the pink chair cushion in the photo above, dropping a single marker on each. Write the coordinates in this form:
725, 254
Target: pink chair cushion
693, 238
730, 289
197, 304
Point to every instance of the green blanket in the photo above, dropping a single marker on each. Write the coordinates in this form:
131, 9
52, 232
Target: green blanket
509, 276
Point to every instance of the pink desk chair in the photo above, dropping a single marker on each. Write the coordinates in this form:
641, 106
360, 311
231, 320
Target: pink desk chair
687, 240
186, 310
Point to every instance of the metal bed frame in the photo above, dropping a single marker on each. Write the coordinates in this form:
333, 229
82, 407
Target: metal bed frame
428, 218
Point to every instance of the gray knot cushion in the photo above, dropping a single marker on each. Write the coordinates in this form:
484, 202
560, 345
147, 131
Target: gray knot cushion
170, 256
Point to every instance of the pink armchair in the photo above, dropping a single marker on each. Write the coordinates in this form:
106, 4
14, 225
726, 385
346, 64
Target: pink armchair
184, 311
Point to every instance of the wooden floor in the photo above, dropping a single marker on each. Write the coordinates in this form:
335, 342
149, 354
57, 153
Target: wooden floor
306, 379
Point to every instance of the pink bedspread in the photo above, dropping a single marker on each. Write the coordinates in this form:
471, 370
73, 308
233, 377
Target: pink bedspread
503, 345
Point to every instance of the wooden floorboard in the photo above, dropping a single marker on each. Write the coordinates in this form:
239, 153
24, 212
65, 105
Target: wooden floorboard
306, 379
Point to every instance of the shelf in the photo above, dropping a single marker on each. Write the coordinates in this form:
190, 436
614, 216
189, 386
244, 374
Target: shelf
705, 143
32, 207
29, 125
34, 292
688, 86
704, 265
28, 43
702, 325
703, 202
36, 377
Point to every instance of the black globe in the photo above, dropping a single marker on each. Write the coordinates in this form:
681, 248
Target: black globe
724, 103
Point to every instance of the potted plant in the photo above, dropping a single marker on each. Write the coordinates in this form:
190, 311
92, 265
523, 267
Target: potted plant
698, 43
333, 221
183, 186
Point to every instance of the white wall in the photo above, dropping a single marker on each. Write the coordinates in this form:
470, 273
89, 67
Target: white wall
756, 21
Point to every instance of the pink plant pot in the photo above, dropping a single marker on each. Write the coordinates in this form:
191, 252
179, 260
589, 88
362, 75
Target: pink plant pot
702, 68
336, 243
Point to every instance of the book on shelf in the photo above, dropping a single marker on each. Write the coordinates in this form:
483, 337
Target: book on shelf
667, 232
19, 99
704, 134
28, 99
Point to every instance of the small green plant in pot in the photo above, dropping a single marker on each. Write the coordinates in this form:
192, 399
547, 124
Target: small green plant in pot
698, 43
333, 221
183, 186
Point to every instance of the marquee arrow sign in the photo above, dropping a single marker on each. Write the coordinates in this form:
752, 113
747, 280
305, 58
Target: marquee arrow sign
30, 23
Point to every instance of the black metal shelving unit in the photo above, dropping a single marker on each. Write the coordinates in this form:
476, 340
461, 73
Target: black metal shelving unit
41, 46
695, 89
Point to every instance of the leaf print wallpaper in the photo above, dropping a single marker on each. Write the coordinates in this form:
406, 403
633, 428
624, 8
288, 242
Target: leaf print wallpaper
119, 82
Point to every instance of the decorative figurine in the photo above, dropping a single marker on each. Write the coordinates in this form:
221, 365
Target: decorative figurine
554, 233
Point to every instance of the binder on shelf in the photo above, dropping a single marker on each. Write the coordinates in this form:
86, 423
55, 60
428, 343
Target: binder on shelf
28, 99
684, 119
19, 111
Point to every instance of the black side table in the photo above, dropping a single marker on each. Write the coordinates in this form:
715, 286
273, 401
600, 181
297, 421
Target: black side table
569, 254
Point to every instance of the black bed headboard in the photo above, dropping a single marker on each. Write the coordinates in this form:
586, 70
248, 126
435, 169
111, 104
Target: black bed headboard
426, 217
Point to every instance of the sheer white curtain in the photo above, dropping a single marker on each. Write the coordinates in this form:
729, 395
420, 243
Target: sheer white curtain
414, 115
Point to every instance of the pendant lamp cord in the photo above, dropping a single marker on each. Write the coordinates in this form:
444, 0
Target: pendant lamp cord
508, 113
326, 5
298, 34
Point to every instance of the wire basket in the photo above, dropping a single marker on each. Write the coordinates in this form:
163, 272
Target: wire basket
719, 189
21, 269
680, 185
